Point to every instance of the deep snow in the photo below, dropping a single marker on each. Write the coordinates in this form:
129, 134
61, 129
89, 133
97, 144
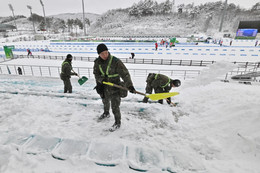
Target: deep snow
214, 129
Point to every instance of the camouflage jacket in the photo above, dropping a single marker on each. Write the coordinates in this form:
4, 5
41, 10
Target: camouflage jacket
66, 70
154, 81
111, 70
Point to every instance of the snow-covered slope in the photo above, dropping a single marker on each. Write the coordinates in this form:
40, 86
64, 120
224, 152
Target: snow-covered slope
214, 129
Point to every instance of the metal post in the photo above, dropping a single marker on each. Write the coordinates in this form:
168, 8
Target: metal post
30, 8
12, 9
84, 23
45, 22
40, 70
15, 69
223, 15
49, 71
32, 71
23, 70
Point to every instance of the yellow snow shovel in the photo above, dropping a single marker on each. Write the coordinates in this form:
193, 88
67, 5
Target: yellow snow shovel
157, 96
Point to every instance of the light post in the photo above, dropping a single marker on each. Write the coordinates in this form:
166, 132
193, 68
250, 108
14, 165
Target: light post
30, 8
12, 9
223, 15
84, 25
45, 23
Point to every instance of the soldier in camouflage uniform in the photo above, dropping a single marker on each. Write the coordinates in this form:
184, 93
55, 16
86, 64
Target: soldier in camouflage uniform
66, 73
161, 84
110, 69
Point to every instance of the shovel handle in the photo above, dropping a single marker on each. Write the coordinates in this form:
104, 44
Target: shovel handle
75, 72
171, 103
121, 87
157, 96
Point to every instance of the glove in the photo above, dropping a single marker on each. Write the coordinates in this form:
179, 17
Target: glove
169, 100
131, 89
145, 100
100, 89
104, 80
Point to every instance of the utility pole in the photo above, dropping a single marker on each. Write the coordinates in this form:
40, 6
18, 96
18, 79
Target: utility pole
12, 9
223, 15
84, 25
45, 23
173, 6
30, 8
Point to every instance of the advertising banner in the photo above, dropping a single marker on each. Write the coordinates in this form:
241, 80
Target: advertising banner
8, 51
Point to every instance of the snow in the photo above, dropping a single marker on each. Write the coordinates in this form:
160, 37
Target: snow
214, 129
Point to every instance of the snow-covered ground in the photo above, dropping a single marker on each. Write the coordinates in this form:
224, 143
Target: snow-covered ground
239, 50
215, 127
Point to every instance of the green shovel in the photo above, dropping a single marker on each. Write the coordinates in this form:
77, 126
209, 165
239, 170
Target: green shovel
82, 79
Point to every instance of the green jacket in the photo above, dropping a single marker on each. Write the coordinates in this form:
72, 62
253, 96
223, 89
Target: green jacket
66, 68
154, 81
111, 70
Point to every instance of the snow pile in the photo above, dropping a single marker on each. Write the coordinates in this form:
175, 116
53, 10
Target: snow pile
215, 72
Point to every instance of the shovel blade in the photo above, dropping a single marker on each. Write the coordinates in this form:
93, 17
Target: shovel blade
160, 96
82, 80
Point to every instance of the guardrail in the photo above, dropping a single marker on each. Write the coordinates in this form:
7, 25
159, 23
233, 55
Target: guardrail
145, 61
54, 71
240, 71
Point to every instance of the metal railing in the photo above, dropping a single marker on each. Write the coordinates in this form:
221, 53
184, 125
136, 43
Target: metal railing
201, 63
242, 73
54, 71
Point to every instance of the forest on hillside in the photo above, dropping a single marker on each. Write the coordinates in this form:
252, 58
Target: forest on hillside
147, 17
151, 17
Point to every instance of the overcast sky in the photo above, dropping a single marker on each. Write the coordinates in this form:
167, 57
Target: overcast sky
91, 6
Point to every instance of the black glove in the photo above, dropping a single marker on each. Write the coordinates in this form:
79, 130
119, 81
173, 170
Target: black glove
104, 80
169, 100
131, 89
100, 89
145, 100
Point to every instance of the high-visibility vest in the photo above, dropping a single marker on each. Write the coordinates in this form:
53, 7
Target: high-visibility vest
65, 62
163, 86
107, 70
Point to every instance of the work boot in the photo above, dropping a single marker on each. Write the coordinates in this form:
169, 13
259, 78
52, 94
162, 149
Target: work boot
115, 127
104, 115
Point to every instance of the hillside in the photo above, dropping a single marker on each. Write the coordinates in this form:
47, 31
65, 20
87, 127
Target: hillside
152, 18
65, 16
148, 18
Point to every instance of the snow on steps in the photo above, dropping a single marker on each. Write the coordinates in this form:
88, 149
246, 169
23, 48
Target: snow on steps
103, 153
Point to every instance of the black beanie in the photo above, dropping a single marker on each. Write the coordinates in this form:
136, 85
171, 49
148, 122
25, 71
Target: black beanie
69, 56
101, 47
176, 82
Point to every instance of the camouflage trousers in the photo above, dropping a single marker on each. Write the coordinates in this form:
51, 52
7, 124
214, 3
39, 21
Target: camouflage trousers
115, 101
67, 85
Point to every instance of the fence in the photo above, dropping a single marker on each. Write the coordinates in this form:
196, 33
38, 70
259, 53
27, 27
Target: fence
242, 73
54, 71
146, 61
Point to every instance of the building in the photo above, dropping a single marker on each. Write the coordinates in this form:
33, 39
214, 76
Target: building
6, 27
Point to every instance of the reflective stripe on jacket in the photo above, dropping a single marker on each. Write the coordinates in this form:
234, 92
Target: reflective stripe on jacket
108, 68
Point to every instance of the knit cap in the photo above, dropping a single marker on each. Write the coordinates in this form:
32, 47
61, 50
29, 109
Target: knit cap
101, 47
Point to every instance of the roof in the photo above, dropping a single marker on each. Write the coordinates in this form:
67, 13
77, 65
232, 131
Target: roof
6, 27
250, 24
